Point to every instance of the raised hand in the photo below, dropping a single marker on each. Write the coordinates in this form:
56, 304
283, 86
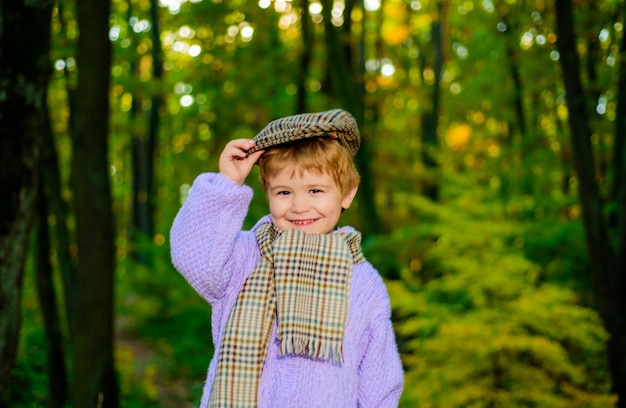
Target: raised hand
235, 163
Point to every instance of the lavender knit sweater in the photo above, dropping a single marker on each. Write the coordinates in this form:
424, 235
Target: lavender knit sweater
212, 252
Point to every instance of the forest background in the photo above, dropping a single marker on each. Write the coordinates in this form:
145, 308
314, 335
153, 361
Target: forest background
492, 201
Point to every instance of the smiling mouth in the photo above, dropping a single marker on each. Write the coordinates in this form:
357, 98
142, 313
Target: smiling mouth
303, 222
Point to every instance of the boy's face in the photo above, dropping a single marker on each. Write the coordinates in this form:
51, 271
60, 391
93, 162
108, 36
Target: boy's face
310, 202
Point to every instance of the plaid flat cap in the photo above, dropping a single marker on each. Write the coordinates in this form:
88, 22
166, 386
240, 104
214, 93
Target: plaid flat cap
336, 124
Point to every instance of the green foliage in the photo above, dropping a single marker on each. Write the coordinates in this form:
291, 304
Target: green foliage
477, 323
29, 387
559, 247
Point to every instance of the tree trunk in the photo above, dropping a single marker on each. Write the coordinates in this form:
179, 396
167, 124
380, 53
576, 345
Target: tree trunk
140, 220
619, 186
521, 173
143, 150
51, 179
94, 381
59, 206
154, 121
305, 57
592, 24
430, 119
57, 374
24, 74
606, 277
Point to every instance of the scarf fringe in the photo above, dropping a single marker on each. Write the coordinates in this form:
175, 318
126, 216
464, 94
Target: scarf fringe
328, 350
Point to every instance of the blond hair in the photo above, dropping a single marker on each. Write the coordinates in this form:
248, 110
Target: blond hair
319, 154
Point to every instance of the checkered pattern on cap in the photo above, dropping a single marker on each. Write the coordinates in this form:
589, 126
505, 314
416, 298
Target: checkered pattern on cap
337, 124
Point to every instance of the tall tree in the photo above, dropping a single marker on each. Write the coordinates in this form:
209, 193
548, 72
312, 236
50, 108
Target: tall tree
156, 103
57, 373
94, 380
305, 57
619, 185
24, 75
608, 278
430, 118
518, 125
144, 145
59, 206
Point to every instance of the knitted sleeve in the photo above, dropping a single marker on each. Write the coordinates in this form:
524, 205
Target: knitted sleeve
381, 376
205, 231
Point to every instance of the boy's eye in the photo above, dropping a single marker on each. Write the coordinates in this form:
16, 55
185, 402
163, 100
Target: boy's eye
316, 191
282, 193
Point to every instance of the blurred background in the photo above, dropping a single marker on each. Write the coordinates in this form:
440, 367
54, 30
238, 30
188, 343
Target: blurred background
492, 198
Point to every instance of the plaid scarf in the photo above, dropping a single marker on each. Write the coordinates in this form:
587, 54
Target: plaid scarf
303, 280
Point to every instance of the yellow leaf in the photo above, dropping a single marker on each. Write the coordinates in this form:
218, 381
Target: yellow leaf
457, 136
395, 34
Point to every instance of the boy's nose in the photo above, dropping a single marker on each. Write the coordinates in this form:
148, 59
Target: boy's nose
298, 204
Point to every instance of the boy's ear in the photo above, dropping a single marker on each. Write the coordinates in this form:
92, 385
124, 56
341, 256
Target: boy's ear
349, 197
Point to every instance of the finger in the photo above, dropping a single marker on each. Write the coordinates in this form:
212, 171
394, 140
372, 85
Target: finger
254, 157
241, 144
232, 153
237, 149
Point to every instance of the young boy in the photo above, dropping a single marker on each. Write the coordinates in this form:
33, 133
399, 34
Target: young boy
299, 317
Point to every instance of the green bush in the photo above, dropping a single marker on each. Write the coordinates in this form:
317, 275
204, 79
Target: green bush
478, 323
